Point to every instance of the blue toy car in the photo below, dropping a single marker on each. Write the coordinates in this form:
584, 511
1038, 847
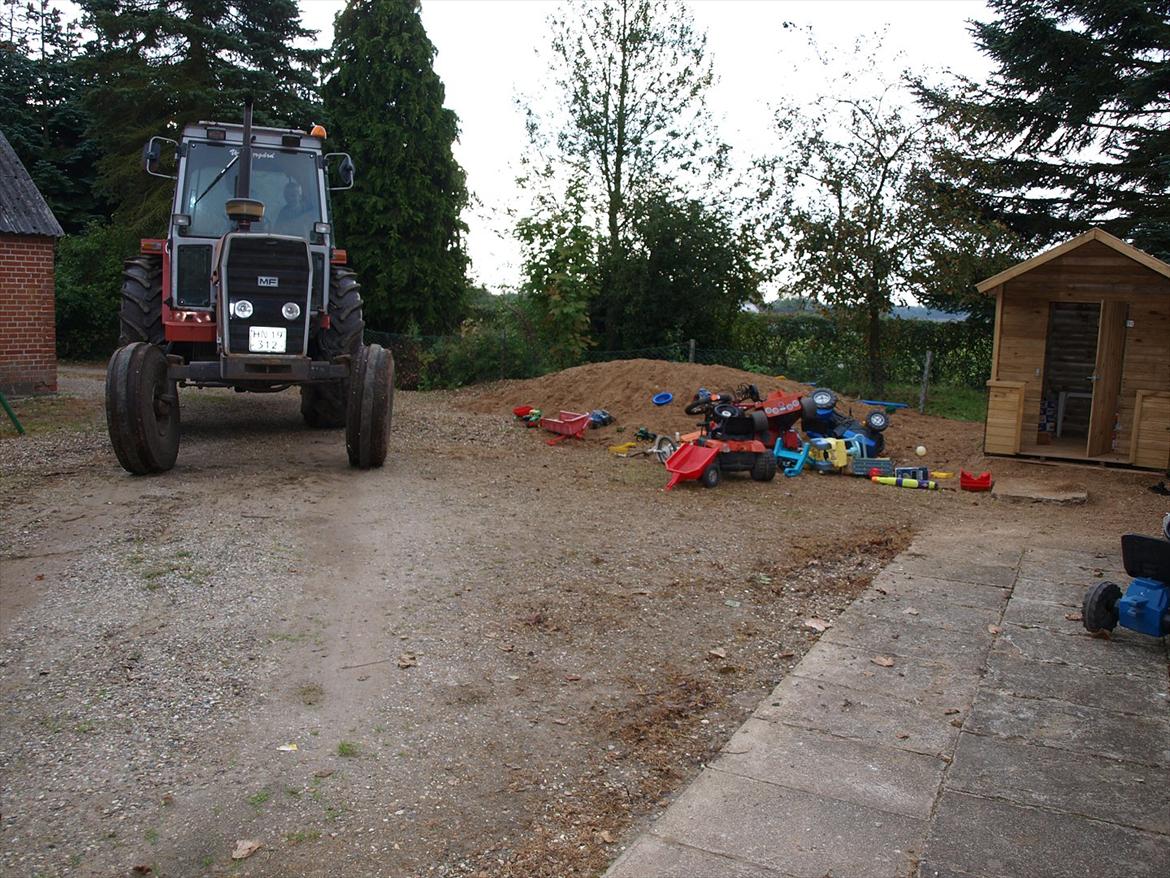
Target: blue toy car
1145, 606
821, 420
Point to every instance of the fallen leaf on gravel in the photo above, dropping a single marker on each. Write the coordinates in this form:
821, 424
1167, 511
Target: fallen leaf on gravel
717, 653
993, 629
951, 711
1073, 617
880, 590
607, 837
41, 578
142, 870
561, 722
507, 647
324, 772
572, 678
245, 847
641, 591
288, 748
817, 624
788, 653
957, 723
910, 611
901, 736
731, 603
883, 661
407, 660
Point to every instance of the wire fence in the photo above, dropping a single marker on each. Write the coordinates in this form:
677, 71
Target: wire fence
960, 357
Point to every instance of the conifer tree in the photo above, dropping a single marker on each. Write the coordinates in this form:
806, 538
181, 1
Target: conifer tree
1073, 126
401, 222
155, 67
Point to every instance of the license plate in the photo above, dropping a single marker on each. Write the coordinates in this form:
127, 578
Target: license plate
266, 339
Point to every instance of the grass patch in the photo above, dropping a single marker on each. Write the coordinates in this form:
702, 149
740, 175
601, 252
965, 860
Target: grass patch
258, 799
151, 836
49, 414
956, 403
311, 694
302, 835
348, 750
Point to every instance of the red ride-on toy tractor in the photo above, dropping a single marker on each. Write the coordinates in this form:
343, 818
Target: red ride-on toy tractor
737, 434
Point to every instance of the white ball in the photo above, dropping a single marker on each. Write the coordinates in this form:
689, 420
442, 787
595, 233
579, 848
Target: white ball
920, 451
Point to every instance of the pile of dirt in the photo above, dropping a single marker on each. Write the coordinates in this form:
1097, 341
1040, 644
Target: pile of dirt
625, 389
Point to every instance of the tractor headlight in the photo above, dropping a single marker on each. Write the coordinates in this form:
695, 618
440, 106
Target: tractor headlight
242, 309
291, 310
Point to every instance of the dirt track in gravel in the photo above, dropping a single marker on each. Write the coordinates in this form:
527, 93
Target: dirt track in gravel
577, 642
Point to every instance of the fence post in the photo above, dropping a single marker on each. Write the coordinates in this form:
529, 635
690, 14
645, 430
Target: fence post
925, 381
691, 355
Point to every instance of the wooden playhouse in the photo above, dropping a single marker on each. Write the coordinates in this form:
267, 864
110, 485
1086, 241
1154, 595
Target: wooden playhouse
1081, 363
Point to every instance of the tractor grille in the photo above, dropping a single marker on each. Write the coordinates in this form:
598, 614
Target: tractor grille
268, 271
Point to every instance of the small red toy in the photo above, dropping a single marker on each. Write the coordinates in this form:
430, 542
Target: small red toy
570, 425
970, 482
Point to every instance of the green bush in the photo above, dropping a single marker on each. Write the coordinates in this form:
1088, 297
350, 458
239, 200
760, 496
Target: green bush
89, 285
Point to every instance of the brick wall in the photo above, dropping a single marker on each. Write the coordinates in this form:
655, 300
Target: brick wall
28, 336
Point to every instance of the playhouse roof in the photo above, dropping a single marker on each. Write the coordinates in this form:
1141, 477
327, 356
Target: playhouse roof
1094, 234
23, 210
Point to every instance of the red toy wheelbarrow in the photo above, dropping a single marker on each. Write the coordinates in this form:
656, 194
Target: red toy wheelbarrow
692, 462
570, 425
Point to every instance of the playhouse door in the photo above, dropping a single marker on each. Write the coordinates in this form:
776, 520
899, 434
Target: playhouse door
1107, 378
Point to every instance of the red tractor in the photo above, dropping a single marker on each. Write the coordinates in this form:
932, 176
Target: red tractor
738, 434
243, 295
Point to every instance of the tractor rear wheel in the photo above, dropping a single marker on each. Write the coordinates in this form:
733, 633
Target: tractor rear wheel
141, 312
711, 476
764, 467
142, 409
371, 407
323, 405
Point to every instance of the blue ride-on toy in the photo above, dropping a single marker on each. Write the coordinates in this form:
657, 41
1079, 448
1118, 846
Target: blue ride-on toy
1145, 606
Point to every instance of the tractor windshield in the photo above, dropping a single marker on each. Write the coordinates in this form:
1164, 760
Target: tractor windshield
284, 179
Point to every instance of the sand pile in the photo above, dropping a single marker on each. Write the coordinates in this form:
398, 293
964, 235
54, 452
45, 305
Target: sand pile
625, 387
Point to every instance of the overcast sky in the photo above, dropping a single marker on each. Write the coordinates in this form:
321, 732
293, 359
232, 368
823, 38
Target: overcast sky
486, 55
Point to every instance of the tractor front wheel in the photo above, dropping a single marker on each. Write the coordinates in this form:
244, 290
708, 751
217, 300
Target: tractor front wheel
323, 405
711, 476
1099, 611
371, 407
142, 409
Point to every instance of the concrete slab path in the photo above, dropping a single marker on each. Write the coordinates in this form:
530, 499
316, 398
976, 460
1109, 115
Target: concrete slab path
956, 721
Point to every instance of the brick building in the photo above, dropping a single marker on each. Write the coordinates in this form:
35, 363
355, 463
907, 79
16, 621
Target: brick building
28, 236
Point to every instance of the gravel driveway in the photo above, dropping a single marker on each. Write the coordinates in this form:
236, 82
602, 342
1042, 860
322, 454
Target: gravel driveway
490, 657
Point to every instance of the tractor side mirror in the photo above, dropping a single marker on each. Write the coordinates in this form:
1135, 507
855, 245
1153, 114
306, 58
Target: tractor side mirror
152, 157
339, 166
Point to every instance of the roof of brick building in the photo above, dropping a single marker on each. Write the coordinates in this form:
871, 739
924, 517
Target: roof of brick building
23, 210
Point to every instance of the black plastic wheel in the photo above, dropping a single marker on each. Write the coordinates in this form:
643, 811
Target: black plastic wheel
764, 467
371, 407
141, 310
877, 421
323, 405
695, 406
1099, 611
823, 398
711, 476
142, 409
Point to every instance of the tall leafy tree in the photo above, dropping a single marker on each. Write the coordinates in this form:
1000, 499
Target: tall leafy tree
865, 216
154, 67
401, 222
629, 84
41, 103
1073, 127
